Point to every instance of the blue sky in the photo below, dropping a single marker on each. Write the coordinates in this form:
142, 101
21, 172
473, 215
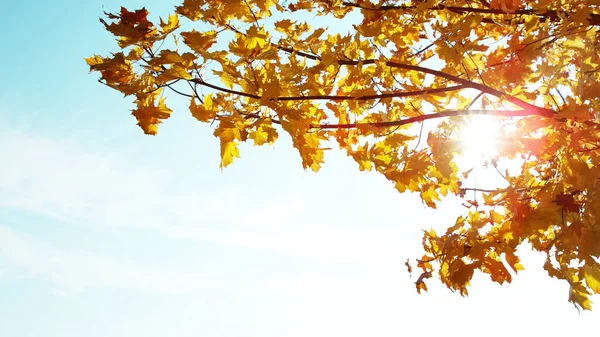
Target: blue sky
107, 232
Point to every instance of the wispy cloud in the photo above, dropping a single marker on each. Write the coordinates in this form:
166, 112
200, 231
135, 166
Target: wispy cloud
63, 181
24, 256
326, 245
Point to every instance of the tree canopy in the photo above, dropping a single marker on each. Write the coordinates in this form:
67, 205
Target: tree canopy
394, 84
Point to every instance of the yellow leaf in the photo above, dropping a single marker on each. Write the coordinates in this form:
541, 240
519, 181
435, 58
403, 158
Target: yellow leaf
398, 139
166, 56
264, 134
228, 79
132, 28
171, 24
513, 261
229, 150
255, 38
496, 217
270, 92
430, 196
283, 25
459, 223
361, 156
415, 78
420, 283
114, 69
148, 113
135, 54
203, 112
578, 295
175, 72
592, 277
199, 42
574, 43
461, 274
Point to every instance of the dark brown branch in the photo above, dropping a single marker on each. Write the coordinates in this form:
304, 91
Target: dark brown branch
551, 14
229, 91
474, 189
257, 115
450, 113
474, 85
483, 88
179, 92
336, 97
463, 84
151, 53
421, 118
158, 86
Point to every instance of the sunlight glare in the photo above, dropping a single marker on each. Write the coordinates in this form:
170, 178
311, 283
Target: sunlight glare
479, 139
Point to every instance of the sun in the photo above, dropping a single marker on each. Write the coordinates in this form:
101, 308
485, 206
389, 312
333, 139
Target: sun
478, 139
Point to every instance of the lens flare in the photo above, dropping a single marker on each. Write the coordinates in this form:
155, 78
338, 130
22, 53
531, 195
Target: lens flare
479, 139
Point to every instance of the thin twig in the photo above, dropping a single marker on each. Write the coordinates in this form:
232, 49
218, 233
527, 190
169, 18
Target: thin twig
252, 12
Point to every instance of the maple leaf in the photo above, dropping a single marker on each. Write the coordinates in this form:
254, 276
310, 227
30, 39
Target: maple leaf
255, 38
513, 261
264, 133
171, 24
203, 112
199, 41
270, 92
148, 113
114, 69
131, 27
420, 283
283, 25
591, 273
568, 202
139, 16
461, 274
229, 150
578, 295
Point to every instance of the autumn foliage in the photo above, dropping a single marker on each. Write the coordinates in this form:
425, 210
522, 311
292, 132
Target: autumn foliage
393, 84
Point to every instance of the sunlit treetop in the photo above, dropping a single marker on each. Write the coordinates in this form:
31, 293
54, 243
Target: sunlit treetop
394, 84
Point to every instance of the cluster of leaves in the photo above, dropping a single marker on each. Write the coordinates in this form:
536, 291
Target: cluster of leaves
534, 64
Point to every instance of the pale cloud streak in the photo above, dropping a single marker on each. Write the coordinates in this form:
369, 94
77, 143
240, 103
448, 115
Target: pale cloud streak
62, 181
72, 271
375, 247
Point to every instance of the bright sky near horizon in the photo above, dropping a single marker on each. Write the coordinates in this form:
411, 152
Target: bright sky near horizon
107, 232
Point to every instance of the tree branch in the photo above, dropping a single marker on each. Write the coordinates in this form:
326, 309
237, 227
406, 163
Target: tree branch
594, 19
335, 97
449, 113
467, 83
252, 12
474, 85
475, 189
463, 84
